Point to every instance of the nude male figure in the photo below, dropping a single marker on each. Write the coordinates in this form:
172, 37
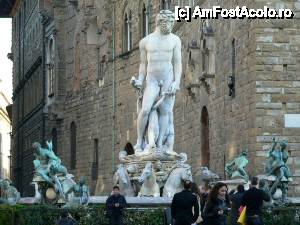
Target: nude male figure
157, 52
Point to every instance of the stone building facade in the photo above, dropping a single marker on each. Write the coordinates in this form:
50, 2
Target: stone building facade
5, 131
88, 52
27, 112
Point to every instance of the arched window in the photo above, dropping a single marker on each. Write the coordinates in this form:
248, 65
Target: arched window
191, 3
233, 57
205, 153
73, 145
127, 32
208, 49
50, 68
54, 140
92, 32
182, 3
95, 164
166, 4
25, 11
205, 57
144, 21
231, 82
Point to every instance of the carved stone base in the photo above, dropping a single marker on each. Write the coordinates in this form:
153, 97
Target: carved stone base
152, 155
163, 164
135, 169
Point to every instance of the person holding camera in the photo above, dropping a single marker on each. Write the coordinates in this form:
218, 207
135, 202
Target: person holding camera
115, 205
253, 199
216, 208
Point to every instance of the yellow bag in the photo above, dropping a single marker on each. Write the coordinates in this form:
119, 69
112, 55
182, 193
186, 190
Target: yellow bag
243, 217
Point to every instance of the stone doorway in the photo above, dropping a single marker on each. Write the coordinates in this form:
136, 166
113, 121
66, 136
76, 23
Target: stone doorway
205, 153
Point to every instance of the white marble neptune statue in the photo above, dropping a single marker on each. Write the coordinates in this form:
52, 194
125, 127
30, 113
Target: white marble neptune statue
160, 55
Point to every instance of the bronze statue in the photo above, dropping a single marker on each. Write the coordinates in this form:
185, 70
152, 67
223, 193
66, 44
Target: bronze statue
237, 167
276, 167
10, 194
51, 177
81, 193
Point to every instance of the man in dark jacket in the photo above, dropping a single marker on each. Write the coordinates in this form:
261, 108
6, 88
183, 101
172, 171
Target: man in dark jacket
253, 199
183, 205
236, 202
114, 206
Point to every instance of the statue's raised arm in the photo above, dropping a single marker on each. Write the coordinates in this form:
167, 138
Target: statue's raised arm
274, 143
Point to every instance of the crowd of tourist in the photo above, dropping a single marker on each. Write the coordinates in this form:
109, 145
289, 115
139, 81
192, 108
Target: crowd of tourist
197, 205
214, 205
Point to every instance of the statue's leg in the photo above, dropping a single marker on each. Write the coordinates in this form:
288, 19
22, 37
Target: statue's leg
277, 181
169, 136
58, 187
243, 173
165, 109
150, 94
287, 172
62, 169
153, 128
284, 192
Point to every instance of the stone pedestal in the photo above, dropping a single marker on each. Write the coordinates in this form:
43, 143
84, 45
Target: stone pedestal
162, 170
